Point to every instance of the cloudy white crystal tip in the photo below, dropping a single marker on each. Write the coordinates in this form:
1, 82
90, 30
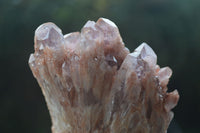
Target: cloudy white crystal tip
108, 22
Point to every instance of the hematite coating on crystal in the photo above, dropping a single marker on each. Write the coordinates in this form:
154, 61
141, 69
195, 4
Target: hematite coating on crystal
93, 84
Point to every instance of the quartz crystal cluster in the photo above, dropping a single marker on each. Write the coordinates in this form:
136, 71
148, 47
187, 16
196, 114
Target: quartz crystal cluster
93, 84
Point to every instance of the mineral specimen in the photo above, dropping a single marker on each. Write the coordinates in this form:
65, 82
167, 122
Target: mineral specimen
93, 84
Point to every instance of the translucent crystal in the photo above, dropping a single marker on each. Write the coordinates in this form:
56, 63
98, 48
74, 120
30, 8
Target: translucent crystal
93, 84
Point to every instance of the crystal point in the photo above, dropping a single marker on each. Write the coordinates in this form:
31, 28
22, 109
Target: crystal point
107, 21
164, 74
48, 34
93, 84
147, 54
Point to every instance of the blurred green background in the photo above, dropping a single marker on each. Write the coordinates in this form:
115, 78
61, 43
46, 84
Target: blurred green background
170, 27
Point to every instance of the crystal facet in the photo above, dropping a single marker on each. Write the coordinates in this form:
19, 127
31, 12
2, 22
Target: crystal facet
93, 84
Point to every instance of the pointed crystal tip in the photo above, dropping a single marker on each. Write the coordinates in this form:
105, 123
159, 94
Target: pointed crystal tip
147, 54
164, 74
108, 22
31, 58
42, 32
48, 34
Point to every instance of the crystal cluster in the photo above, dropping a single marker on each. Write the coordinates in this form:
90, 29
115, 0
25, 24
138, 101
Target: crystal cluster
93, 84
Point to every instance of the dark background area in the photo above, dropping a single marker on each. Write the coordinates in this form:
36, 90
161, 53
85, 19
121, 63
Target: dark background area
170, 27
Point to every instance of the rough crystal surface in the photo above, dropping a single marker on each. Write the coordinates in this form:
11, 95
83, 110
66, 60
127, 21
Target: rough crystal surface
93, 84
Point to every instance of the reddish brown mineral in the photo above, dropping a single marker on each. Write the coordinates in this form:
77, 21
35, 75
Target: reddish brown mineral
92, 84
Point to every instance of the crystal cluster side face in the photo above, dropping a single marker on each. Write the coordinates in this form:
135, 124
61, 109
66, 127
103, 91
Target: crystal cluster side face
93, 84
